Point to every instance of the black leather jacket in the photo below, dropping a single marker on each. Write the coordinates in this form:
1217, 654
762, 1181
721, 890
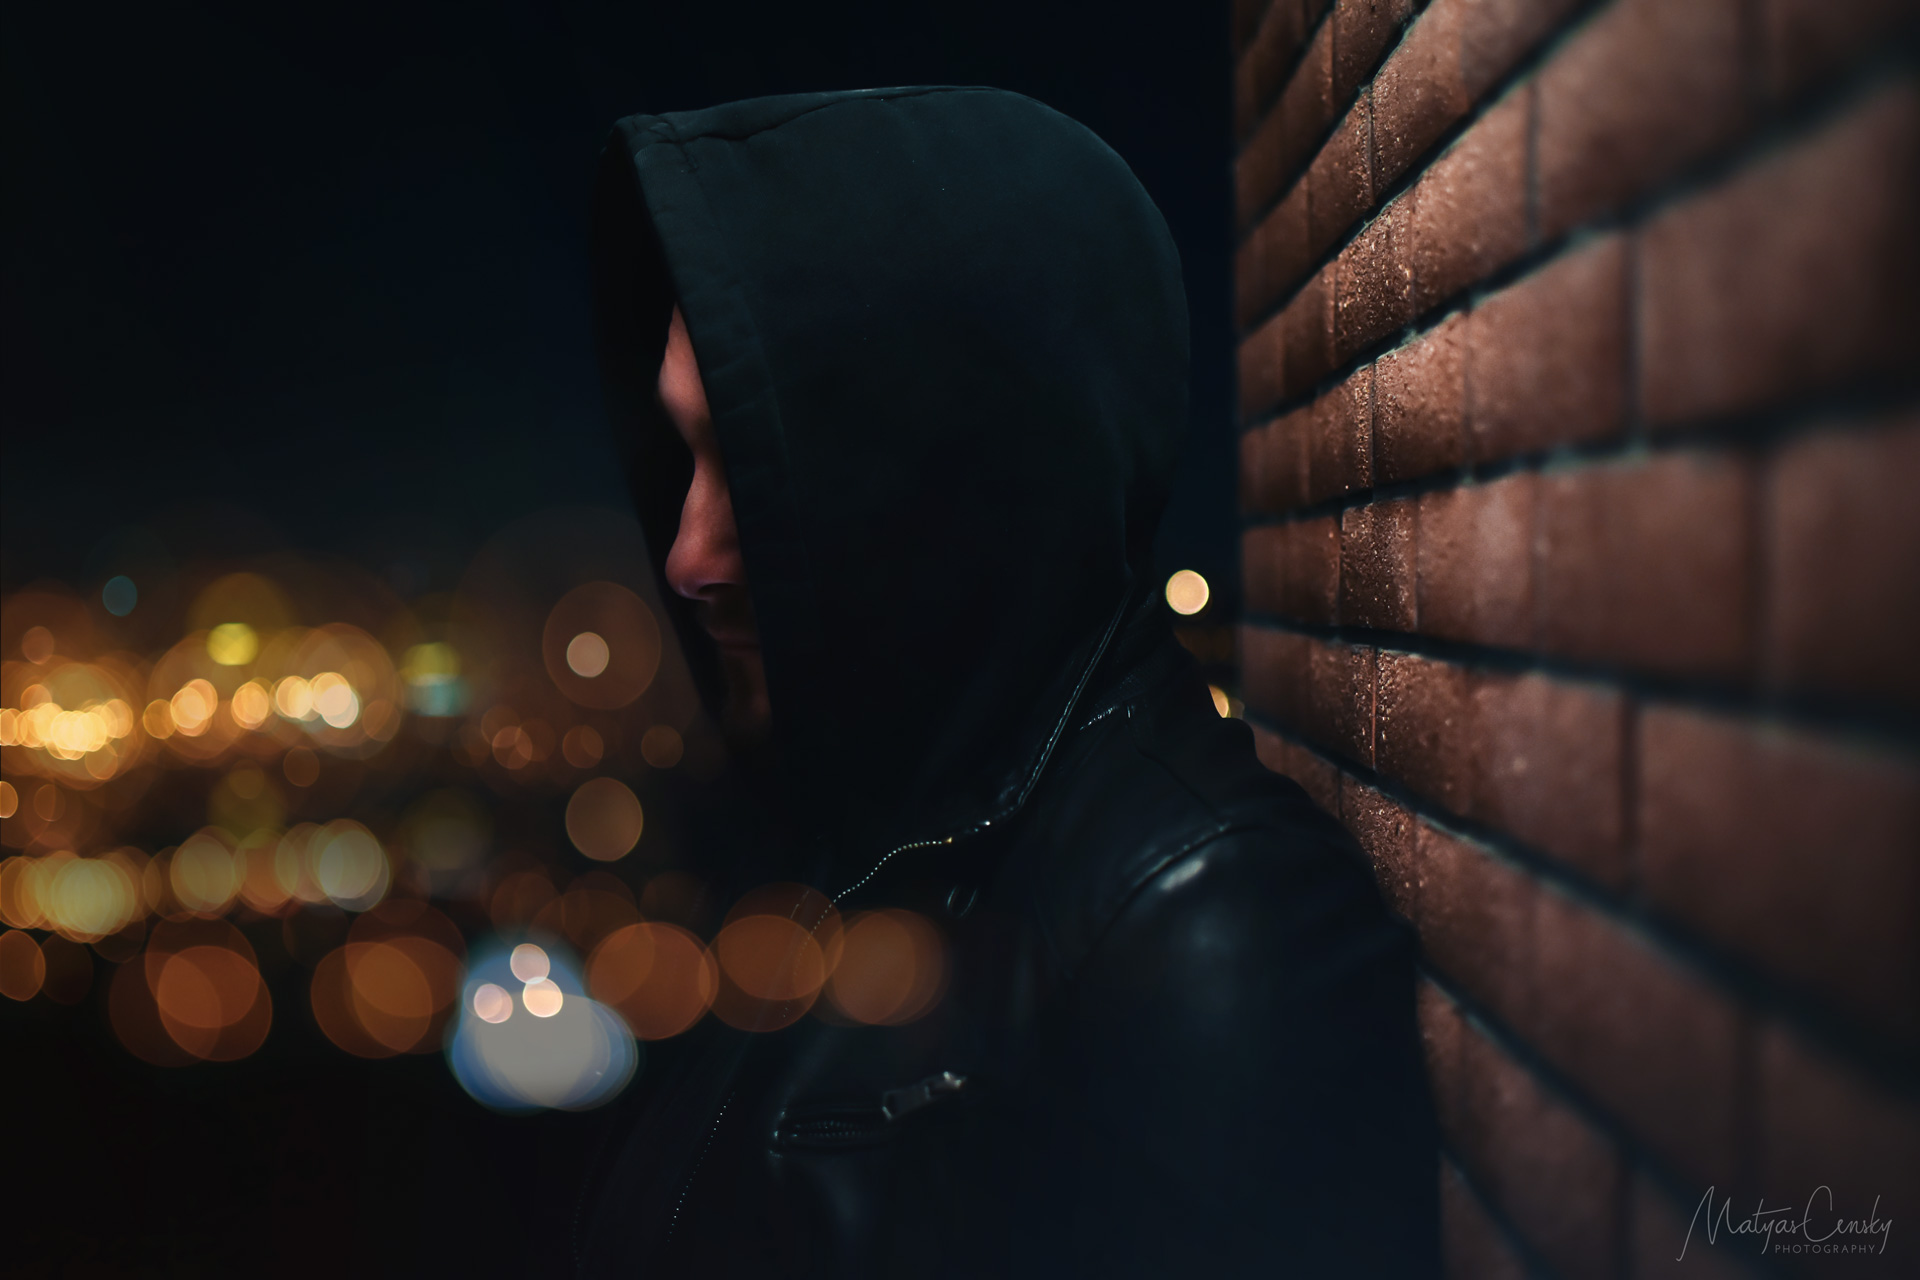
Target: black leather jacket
1179, 1040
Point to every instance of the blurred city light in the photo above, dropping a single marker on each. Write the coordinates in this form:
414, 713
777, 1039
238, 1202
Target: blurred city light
119, 596
587, 655
604, 819
1187, 592
572, 1054
232, 644
293, 784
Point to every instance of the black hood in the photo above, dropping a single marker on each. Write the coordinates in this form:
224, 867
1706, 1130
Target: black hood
944, 340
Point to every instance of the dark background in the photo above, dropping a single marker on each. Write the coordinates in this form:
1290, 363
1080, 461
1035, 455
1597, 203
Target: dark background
314, 277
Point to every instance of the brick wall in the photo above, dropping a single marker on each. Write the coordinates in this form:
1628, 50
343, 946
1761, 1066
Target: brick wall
1581, 483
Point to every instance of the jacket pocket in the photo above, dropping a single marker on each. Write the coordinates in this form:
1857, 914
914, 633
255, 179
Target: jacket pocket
832, 1127
843, 1125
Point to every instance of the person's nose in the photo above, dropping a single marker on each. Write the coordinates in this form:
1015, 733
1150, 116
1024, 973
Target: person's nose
705, 557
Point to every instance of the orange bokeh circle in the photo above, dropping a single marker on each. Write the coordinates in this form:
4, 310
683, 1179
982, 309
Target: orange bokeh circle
659, 976
892, 970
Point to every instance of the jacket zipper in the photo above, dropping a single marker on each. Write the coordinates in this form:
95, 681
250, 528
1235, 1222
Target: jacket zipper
686, 1183
849, 1125
1046, 754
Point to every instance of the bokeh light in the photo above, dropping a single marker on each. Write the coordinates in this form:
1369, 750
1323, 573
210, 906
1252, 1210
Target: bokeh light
119, 595
233, 644
206, 872
892, 969
771, 958
529, 963
491, 1003
1187, 592
582, 746
574, 1053
543, 998
619, 662
252, 704
200, 996
587, 655
432, 674
193, 706
36, 645
319, 782
604, 819
22, 967
661, 746
212, 1002
659, 976
348, 864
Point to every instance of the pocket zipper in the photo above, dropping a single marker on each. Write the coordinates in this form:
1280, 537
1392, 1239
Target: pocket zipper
846, 1126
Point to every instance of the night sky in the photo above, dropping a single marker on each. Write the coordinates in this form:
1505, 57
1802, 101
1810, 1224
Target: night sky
315, 278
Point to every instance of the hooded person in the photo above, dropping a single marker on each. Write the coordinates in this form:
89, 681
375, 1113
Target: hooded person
940, 343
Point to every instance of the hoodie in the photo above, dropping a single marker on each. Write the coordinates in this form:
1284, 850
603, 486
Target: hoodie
944, 343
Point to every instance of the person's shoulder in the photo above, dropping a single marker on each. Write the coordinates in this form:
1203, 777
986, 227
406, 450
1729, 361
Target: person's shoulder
1160, 795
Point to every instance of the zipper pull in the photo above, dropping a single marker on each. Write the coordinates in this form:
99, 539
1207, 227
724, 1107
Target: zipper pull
895, 1103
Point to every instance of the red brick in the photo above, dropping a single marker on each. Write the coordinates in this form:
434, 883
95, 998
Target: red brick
1384, 831
1363, 30
1797, 274
1420, 92
1546, 357
1473, 1247
1475, 913
1556, 1176
1825, 1124
1261, 373
1273, 673
1425, 733
1273, 260
1474, 560
1645, 88
1842, 558
1498, 33
1470, 208
1340, 179
1651, 1042
1339, 699
1273, 461
1263, 567
1340, 439
1311, 576
1319, 779
1376, 566
1273, 751
1549, 768
1420, 405
1807, 41
1306, 329
1441, 1027
1286, 139
1663, 1233
1793, 851
1374, 284
1271, 48
1650, 564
